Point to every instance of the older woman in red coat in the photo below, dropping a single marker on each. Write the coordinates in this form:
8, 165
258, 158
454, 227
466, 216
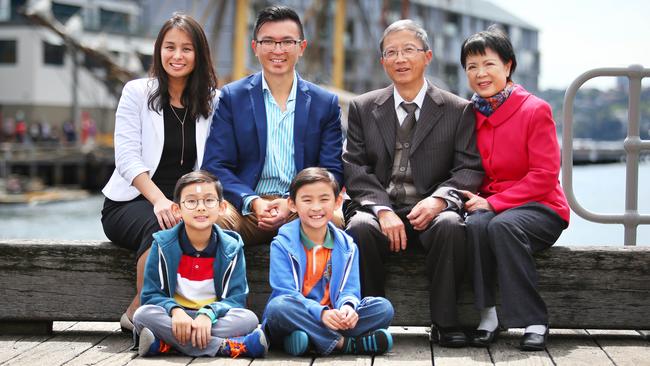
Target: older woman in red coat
520, 207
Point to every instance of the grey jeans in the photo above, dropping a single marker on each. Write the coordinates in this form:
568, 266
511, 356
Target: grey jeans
236, 322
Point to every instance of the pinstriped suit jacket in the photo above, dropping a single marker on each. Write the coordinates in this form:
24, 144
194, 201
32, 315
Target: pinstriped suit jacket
443, 154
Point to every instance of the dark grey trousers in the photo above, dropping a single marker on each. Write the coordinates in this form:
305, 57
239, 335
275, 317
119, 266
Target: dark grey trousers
445, 255
502, 246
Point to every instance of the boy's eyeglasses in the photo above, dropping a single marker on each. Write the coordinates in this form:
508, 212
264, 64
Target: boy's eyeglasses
269, 45
192, 204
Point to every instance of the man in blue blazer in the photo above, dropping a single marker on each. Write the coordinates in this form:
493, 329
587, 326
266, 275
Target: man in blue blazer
269, 126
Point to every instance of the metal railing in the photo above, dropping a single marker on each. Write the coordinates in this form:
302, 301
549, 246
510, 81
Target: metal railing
633, 145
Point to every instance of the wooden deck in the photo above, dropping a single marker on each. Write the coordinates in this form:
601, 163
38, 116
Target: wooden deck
101, 343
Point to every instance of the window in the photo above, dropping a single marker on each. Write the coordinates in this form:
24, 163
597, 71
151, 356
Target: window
91, 62
112, 21
63, 12
14, 9
53, 54
146, 61
7, 51
529, 40
452, 24
5, 10
451, 77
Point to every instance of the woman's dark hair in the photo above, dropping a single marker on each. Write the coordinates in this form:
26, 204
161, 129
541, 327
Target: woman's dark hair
311, 176
202, 81
195, 177
493, 38
277, 14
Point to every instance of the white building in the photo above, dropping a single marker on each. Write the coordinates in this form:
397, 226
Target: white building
37, 69
448, 23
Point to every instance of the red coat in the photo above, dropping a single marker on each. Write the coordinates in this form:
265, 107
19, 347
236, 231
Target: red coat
520, 154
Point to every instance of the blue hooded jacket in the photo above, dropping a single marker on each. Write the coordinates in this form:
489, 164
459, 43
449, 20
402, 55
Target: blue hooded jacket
230, 283
289, 262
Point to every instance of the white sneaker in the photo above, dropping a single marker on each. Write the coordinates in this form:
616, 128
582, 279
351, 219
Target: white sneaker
126, 324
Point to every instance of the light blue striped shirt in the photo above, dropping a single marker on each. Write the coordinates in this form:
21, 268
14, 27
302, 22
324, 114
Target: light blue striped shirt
279, 165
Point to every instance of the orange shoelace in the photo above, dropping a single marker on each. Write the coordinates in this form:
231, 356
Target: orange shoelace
236, 348
164, 347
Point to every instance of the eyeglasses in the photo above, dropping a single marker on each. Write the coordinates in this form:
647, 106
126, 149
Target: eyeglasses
268, 45
407, 52
208, 202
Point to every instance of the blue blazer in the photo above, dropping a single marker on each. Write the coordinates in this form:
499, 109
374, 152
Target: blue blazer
236, 147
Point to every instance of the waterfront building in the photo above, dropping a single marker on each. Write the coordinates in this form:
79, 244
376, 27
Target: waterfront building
448, 23
37, 69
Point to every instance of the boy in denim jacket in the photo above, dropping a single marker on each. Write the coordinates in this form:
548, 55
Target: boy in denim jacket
314, 275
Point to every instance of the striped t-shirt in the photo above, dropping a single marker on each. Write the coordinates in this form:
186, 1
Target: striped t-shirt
195, 276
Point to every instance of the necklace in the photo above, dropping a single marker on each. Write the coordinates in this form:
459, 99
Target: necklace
182, 122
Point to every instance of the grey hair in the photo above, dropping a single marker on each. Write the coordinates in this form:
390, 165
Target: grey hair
409, 25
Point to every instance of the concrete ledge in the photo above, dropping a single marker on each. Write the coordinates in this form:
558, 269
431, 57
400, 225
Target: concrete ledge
584, 287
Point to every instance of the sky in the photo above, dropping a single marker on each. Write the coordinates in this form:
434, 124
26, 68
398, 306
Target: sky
579, 35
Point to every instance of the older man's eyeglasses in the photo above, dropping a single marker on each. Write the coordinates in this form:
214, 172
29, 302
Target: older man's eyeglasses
407, 52
208, 202
269, 45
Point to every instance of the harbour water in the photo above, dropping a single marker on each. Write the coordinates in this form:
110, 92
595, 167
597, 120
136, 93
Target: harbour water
599, 188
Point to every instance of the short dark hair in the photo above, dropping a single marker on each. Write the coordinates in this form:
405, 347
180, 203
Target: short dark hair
277, 13
198, 176
493, 38
311, 176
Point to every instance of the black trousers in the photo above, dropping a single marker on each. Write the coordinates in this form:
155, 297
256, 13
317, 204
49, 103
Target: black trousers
501, 246
444, 244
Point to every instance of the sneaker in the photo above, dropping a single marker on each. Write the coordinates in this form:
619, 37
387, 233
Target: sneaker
126, 324
252, 345
296, 343
373, 343
150, 345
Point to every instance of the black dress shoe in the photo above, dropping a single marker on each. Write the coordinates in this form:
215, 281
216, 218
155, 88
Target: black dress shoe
533, 341
449, 336
483, 338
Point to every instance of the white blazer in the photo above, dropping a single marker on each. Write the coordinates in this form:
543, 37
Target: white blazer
139, 139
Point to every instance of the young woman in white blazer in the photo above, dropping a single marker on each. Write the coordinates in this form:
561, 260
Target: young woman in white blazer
161, 125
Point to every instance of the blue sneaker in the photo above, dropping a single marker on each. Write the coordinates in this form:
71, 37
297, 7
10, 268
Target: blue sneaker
296, 343
150, 345
253, 345
373, 343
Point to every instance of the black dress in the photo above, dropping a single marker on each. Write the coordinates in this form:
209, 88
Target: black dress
131, 224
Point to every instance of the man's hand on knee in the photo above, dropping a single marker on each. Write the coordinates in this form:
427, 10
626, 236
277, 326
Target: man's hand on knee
393, 227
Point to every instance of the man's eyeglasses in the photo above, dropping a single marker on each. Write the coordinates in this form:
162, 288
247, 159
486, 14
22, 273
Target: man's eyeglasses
407, 52
268, 45
209, 202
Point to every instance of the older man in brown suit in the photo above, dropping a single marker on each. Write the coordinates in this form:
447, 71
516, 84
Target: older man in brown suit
409, 147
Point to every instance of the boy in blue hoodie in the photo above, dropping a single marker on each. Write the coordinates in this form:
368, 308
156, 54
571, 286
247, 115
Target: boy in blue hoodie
314, 276
195, 288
